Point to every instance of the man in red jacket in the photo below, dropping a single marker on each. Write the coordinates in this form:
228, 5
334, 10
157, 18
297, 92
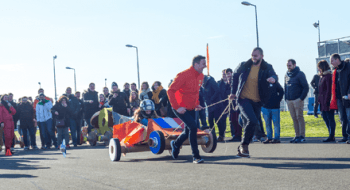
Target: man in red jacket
183, 96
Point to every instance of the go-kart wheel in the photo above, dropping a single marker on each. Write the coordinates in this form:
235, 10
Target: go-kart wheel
211, 144
115, 149
108, 135
92, 138
156, 142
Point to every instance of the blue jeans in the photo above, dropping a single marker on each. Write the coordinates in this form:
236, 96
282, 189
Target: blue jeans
191, 125
79, 123
47, 126
74, 130
43, 133
272, 115
250, 112
32, 136
343, 118
328, 117
62, 133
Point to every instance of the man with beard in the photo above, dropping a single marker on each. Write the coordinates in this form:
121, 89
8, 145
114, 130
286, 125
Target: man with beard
250, 83
120, 103
90, 98
296, 89
74, 107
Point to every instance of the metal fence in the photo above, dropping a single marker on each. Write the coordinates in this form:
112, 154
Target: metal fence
284, 107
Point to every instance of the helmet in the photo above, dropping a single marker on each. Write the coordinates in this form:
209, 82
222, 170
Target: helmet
147, 105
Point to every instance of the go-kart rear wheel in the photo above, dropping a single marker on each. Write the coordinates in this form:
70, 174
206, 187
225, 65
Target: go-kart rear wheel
115, 149
92, 138
156, 142
211, 144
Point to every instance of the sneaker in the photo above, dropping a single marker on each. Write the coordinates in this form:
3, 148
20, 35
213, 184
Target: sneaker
198, 160
75, 145
12, 149
267, 141
255, 139
348, 142
302, 139
298, 140
243, 151
329, 139
294, 139
220, 139
343, 140
26, 148
276, 141
35, 147
316, 116
262, 139
174, 150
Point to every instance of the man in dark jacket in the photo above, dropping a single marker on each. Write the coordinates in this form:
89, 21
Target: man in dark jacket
250, 83
211, 94
126, 89
26, 115
90, 98
225, 91
74, 107
342, 89
314, 84
271, 112
79, 117
120, 103
296, 89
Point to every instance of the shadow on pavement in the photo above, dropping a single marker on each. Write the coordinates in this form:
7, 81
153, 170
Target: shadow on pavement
12, 176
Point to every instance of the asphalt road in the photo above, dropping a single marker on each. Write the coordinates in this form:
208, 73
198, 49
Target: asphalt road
311, 165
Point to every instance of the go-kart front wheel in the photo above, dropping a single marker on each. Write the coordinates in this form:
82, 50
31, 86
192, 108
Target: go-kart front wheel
115, 149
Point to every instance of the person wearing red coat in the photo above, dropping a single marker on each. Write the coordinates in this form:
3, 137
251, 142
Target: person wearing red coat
324, 98
6, 120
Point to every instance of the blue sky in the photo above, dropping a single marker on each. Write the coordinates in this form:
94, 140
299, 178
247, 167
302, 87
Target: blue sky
90, 36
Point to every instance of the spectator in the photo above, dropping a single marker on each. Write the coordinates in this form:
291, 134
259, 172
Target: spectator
314, 84
90, 98
72, 118
296, 89
271, 112
44, 117
145, 92
27, 119
127, 89
133, 88
79, 117
103, 103
15, 119
325, 94
170, 112
225, 90
37, 99
202, 113
106, 92
211, 94
63, 113
134, 102
7, 111
342, 83
119, 102
250, 83
347, 60
30, 99
159, 98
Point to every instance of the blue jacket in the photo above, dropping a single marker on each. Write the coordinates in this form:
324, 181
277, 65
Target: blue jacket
241, 73
295, 85
274, 97
211, 93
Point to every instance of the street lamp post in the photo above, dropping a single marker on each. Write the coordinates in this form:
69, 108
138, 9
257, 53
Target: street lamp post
317, 25
39, 84
105, 82
75, 82
54, 75
256, 20
137, 55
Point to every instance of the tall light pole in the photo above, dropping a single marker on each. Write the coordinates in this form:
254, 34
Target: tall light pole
105, 82
75, 82
137, 55
54, 75
317, 25
39, 84
256, 19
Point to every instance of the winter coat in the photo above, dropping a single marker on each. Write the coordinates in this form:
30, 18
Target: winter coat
211, 93
16, 116
26, 114
5, 115
135, 104
163, 97
334, 105
314, 83
74, 106
241, 73
275, 95
36, 101
295, 85
90, 108
325, 91
63, 113
43, 112
127, 92
145, 94
343, 77
120, 103
81, 110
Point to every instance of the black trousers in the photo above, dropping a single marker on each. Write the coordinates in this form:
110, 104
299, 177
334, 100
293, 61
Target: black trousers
316, 105
250, 113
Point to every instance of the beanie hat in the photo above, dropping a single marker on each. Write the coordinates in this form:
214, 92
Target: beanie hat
114, 84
